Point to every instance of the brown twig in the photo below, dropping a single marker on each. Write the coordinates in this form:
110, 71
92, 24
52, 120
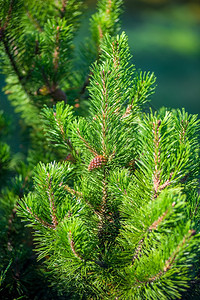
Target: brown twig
169, 263
79, 194
127, 112
56, 51
184, 128
11, 58
137, 253
44, 223
157, 222
102, 264
8, 16
72, 245
158, 187
166, 183
66, 140
3, 37
52, 89
63, 8
109, 6
72, 191
107, 227
86, 143
156, 177
104, 113
34, 21
152, 227
52, 203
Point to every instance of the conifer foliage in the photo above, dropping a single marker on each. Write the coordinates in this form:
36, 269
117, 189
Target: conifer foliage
37, 50
113, 204
119, 218
37, 58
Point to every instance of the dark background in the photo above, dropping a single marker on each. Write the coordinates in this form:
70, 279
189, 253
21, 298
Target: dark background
164, 38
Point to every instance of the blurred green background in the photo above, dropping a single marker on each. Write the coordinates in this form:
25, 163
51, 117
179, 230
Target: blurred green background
164, 39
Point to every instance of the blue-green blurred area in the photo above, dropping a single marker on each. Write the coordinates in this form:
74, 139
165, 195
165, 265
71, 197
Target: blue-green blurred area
164, 38
166, 41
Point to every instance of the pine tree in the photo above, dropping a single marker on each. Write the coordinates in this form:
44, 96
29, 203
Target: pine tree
115, 200
119, 219
39, 61
38, 57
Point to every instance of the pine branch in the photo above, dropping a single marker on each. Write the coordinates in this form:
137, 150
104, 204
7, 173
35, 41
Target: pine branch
107, 218
4, 34
170, 262
11, 58
157, 222
52, 203
86, 143
119, 231
79, 194
138, 250
63, 8
103, 220
3, 37
72, 191
184, 126
15, 66
104, 113
72, 245
156, 179
56, 51
153, 226
166, 183
7, 18
127, 112
44, 223
101, 264
34, 20
105, 21
67, 141
53, 90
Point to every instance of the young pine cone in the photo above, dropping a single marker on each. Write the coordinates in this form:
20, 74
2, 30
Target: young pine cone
97, 162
